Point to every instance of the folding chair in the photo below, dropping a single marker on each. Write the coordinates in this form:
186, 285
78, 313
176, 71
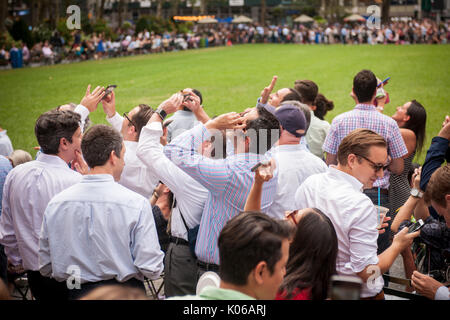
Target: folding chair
152, 286
20, 283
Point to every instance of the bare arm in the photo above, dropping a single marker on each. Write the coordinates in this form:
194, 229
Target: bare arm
331, 159
402, 240
396, 166
262, 174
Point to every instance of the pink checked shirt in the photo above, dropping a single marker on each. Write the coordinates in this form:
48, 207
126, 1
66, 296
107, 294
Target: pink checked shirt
366, 116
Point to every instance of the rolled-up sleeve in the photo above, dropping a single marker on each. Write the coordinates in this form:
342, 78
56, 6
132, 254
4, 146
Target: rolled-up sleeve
363, 235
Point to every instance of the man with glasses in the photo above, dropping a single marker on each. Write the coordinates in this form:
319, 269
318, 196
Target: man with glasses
362, 156
365, 115
135, 176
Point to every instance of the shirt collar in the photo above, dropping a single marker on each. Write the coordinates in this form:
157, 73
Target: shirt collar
3, 133
98, 178
363, 106
285, 148
335, 172
52, 159
214, 293
132, 145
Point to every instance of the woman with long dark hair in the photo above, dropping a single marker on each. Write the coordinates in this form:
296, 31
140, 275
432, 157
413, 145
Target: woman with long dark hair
411, 118
312, 257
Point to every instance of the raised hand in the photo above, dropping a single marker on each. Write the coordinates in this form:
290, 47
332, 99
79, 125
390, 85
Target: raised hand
79, 164
91, 100
109, 104
231, 120
265, 171
192, 102
265, 94
172, 104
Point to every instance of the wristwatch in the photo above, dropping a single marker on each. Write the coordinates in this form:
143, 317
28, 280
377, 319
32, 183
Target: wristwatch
161, 113
416, 193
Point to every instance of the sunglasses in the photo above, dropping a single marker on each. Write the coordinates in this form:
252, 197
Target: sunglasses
291, 215
125, 114
376, 166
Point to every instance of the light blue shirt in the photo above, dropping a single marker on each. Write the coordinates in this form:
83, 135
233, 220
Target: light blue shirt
181, 121
6, 147
102, 228
5, 167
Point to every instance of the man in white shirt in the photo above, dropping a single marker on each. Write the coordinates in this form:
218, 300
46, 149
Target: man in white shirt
180, 265
135, 176
28, 189
293, 163
98, 232
362, 155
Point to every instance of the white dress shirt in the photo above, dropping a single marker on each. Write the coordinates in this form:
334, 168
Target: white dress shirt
135, 175
294, 165
190, 195
84, 113
104, 229
28, 189
354, 217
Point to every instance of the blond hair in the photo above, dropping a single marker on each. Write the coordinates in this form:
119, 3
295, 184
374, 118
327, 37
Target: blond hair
19, 156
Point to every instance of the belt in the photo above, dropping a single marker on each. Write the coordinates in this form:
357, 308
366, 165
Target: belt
179, 241
382, 191
208, 266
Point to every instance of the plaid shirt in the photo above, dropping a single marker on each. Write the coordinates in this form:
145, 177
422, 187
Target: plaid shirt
366, 116
227, 180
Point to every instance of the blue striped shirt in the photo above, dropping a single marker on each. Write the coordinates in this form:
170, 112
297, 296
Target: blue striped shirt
228, 181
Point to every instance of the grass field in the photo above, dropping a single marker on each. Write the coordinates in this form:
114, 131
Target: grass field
230, 79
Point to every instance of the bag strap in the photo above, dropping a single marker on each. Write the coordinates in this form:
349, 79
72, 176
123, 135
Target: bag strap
182, 218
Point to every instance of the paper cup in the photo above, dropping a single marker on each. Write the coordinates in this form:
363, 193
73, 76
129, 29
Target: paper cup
381, 211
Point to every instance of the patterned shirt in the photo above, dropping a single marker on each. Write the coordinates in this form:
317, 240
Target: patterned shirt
227, 180
366, 116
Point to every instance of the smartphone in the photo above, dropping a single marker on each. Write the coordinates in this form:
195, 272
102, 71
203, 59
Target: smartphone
187, 97
345, 288
256, 166
383, 82
416, 226
109, 89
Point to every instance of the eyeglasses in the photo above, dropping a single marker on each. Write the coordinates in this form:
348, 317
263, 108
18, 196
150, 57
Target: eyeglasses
376, 166
125, 114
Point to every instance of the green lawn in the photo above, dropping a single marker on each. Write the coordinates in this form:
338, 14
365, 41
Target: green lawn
230, 79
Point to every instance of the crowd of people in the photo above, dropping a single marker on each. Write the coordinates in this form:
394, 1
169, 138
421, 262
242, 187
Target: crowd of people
129, 42
273, 199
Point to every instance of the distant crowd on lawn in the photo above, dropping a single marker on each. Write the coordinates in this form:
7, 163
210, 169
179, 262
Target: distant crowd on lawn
130, 42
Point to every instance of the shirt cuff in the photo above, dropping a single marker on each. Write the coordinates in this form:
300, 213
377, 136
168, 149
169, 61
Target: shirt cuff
155, 126
442, 294
82, 111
